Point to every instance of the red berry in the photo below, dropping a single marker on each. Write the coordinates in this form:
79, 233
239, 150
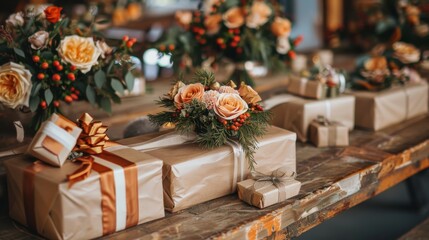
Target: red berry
44, 65
60, 67
43, 104
68, 99
201, 31
292, 54
171, 47
233, 44
125, 38
74, 96
77, 92
237, 31
55, 63
36, 58
72, 89
239, 50
236, 38
134, 40
40, 76
130, 44
72, 68
71, 77
56, 103
56, 77
219, 41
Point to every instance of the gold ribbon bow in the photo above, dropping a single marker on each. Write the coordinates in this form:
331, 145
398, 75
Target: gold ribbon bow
279, 178
93, 136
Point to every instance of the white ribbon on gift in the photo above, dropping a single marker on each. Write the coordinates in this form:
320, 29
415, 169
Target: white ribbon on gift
173, 139
302, 86
328, 109
60, 135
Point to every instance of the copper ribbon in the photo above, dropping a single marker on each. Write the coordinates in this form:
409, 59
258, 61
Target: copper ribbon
28, 193
93, 136
279, 178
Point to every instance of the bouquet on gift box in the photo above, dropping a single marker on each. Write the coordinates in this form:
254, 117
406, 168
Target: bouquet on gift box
216, 114
239, 31
387, 66
46, 58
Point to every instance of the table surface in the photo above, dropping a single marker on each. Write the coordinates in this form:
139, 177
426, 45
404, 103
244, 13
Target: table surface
333, 180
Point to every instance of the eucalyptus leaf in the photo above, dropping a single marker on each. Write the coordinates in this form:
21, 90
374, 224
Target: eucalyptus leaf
48, 96
34, 103
36, 88
47, 55
106, 105
129, 80
19, 52
90, 94
100, 78
117, 86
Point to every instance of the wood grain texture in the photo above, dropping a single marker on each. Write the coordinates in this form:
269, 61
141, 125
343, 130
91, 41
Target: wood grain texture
420, 232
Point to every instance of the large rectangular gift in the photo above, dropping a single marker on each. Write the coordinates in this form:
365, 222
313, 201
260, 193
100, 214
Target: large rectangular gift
192, 175
377, 110
297, 113
124, 189
305, 87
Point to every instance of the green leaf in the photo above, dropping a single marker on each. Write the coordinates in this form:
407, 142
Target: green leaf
19, 52
100, 78
36, 89
48, 96
106, 105
117, 85
47, 55
90, 94
102, 21
129, 80
34, 103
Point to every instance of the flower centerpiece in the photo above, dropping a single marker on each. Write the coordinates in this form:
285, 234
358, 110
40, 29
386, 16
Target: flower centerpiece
47, 59
239, 31
387, 66
217, 114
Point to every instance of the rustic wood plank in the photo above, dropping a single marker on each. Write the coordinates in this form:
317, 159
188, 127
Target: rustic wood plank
421, 232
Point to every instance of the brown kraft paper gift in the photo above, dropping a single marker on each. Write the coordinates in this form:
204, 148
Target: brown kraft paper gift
192, 175
377, 110
304, 87
297, 114
331, 135
120, 192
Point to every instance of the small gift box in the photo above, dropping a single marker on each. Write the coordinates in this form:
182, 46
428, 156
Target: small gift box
305, 87
263, 190
377, 110
55, 140
297, 113
95, 195
325, 133
192, 175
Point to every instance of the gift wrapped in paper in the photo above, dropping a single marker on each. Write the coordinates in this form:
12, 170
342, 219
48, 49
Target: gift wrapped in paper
263, 190
377, 110
192, 175
325, 133
296, 113
305, 87
55, 140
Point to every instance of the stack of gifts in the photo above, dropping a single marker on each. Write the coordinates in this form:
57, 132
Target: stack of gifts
388, 89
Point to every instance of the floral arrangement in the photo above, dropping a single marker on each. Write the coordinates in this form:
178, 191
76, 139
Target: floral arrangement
236, 30
387, 66
217, 114
333, 79
46, 59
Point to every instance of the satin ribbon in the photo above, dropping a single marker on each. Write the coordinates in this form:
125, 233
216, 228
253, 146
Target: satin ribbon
328, 109
279, 178
60, 135
93, 136
174, 139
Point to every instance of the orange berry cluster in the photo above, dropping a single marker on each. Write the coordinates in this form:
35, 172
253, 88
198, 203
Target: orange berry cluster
256, 107
235, 123
56, 67
232, 40
163, 47
129, 42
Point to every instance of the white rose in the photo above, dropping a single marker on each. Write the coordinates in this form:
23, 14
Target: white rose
79, 51
15, 19
15, 85
406, 53
259, 14
283, 45
39, 40
105, 49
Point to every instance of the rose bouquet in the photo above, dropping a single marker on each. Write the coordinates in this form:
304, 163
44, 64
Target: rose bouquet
387, 66
239, 31
217, 114
46, 59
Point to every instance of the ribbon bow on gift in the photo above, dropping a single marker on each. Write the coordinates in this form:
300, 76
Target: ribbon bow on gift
322, 120
279, 178
91, 141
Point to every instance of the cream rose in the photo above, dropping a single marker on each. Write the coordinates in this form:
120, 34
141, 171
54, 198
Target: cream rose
183, 18
249, 94
16, 19
212, 23
375, 69
281, 27
187, 93
406, 53
234, 17
39, 40
105, 49
229, 106
175, 89
79, 51
260, 12
15, 85
283, 45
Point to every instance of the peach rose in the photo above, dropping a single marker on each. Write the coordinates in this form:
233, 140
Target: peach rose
375, 69
183, 18
187, 93
406, 53
281, 27
53, 14
212, 23
234, 17
229, 106
79, 51
260, 12
15, 85
248, 94
412, 14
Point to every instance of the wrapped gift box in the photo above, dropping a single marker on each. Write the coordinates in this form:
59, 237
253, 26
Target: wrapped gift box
304, 87
124, 189
297, 113
377, 110
192, 175
267, 194
54, 140
329, 134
